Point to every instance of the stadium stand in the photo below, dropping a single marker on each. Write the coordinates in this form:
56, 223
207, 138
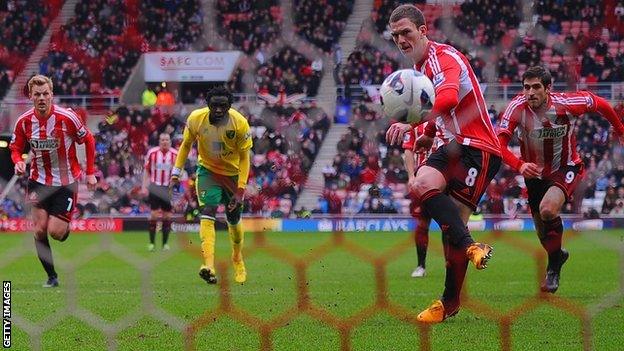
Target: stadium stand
249, 24
23, 24
322, 23
288, 72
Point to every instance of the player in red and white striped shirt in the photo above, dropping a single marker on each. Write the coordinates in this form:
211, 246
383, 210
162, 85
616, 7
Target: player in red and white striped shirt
545, 122
159, 162
52, 132
415, 157
455, 176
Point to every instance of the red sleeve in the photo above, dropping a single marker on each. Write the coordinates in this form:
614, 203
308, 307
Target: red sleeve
446, 83
89, 142
18, 141
509, 120
603, 107
508, 157
148, 161
445, 100
76, 128
577, 103
409, 139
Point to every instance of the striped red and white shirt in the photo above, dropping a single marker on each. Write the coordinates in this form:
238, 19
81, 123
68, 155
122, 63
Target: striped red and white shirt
159, 164
469, 121
548, 138
52, 142
409, 140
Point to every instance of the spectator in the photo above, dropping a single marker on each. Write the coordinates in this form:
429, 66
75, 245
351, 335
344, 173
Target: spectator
148, 98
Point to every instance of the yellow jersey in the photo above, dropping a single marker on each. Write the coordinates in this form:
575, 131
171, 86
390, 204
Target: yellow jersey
219, 147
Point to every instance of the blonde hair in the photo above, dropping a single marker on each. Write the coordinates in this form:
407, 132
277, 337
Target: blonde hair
39, 80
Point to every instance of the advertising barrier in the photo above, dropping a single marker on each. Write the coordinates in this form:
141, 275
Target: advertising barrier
107, 225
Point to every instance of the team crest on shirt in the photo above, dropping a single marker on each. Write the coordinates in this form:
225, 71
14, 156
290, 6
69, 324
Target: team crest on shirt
504, 124
438, 79
82, 131
230, 134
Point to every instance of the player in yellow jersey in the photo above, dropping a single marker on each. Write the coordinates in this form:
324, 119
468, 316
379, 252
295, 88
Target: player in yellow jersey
223, 142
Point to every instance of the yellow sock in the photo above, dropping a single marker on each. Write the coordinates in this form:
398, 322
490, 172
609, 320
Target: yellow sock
237, 237
207, 235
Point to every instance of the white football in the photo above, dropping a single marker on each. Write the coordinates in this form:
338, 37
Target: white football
407, 95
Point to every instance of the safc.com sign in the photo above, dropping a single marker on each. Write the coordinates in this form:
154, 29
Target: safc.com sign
187, 66
108, 225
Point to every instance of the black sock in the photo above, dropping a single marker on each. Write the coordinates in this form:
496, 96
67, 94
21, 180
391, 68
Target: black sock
44, 252
552, 239
422, 241
166, 229
152, 230
441, 208
456, 266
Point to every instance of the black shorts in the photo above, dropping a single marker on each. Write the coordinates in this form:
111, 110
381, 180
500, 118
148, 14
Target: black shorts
58, 201
565, 178
467, 170
159, 197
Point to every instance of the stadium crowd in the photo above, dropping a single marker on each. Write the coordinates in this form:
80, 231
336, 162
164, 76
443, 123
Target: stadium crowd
249, 25
23, 24
322, 23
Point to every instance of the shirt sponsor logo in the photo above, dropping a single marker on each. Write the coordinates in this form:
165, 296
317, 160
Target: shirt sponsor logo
44, 144
549, 133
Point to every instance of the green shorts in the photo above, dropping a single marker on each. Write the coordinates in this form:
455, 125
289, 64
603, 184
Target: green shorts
214, 189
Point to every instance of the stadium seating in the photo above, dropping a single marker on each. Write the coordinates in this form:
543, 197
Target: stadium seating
249, 24
322, 23
23, 24
288, 72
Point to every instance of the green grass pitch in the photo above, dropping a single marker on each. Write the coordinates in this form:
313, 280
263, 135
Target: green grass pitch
116, 295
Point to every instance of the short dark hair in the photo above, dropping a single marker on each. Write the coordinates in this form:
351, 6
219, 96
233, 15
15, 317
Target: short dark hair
219, 90
538, 72
410, 12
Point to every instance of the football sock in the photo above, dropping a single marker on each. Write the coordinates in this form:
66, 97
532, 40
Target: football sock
441, 208
151, 224
551, 240
456, 266
237, 237
207, 235
166, 229
422, 240
44, 252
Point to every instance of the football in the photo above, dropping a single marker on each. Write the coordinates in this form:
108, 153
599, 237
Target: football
407, 95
